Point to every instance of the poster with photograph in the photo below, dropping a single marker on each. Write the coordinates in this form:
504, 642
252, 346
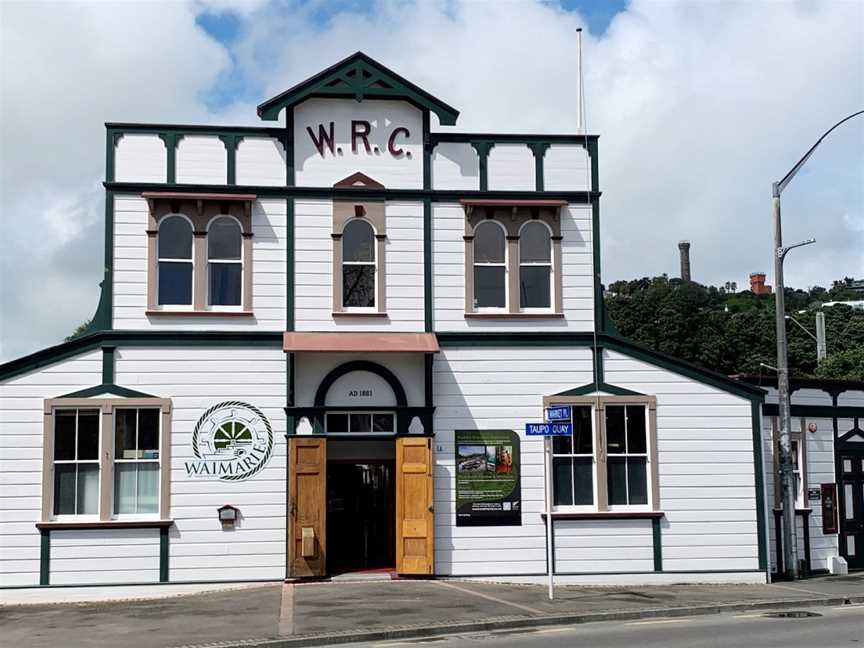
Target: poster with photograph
488, 489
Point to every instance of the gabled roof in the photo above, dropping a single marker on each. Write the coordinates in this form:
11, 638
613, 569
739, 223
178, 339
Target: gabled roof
359, 77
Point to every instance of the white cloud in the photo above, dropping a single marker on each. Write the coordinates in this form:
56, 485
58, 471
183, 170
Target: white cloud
699, 107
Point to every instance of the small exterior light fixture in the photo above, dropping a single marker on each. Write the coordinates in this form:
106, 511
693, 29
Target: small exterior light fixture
228, 516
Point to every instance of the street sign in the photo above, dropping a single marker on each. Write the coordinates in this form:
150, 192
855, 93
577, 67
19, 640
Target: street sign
559, 413
549, 429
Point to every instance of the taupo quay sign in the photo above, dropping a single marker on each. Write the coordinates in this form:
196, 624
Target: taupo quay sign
548, 429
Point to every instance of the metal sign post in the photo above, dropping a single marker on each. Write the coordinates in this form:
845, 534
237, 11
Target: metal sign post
559, 423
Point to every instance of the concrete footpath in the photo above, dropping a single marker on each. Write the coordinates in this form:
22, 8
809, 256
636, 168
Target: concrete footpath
327, 613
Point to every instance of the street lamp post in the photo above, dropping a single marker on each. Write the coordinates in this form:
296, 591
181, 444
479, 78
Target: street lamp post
787, 478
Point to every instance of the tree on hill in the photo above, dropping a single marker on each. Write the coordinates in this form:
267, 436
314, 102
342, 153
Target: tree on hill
734, 332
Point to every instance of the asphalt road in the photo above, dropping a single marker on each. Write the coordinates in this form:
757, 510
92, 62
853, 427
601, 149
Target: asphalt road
833, 628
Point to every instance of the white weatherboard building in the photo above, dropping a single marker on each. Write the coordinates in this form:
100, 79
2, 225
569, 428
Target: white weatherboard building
317, 348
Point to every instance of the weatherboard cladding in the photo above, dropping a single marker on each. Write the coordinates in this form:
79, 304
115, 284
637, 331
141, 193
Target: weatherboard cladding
489, 373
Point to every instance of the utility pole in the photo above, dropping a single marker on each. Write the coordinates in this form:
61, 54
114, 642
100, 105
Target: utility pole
821, 343
787, 478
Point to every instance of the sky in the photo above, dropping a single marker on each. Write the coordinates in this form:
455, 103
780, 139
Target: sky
700, 106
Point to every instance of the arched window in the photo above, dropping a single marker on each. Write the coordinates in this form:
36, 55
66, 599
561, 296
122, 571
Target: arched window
175, 261
535, 266
490, 266
224, 262
358, 265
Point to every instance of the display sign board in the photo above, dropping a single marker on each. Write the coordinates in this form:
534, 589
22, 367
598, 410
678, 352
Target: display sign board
559, 413
488, 488
549, 429
814, 494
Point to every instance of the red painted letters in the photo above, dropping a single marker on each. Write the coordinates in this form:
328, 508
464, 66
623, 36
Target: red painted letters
360, 129
323, 138
391, 143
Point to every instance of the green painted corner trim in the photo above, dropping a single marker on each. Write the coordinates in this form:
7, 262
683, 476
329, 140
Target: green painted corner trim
483, 147
595, 163
761, 533
107, 388
163, 554
539, 150
111, 138
427, 266
290, 280
44, 557
429, 382
427, 153
658, 544
359, 77
102, 319
231, 142
288, 143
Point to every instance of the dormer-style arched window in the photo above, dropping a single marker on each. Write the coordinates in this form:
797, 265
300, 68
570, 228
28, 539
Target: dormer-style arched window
358, 264
224, 262
490, 266
175, 261
535, 265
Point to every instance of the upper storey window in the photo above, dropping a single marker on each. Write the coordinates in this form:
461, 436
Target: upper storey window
358, 265
199, 254
225, 262
490, 266
513, 258
175, 261
535, 265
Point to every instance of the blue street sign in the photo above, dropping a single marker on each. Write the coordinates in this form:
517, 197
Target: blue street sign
559, 413
549, 429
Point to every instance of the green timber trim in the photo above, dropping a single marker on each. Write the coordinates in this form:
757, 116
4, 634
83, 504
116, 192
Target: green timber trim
427, 266
288, 143
483, 147
231, 142
108, 353
515, 138
591, 142
817, 411
164, 540
599, 384
352, 193
427, 153
658, 544
290, 279
171, 140
428, 377
107, 388
358, 77
599, 305
44, 557
160, 338
761, 532
538, 149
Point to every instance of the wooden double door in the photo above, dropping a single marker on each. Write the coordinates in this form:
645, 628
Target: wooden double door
307, 515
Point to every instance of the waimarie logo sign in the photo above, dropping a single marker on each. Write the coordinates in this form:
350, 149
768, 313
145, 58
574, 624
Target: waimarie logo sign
232, 441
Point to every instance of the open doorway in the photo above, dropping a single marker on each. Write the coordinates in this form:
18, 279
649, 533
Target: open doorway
361, 505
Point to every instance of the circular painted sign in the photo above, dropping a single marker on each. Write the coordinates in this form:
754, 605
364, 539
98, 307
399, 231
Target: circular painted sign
232, 441
812, 427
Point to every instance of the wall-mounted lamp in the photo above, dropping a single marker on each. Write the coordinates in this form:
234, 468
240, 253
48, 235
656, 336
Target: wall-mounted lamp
228, 516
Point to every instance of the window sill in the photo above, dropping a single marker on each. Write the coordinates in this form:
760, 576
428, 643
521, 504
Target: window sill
198, 313
359, 314
514, 315
608, 515
106, 524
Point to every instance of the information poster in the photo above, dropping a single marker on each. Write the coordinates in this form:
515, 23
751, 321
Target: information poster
488, 491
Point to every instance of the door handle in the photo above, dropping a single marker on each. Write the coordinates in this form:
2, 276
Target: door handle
431, 508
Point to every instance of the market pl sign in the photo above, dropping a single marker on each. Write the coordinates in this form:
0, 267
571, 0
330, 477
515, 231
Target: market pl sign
231, 442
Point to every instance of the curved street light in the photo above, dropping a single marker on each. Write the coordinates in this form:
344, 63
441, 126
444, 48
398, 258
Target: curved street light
787, 480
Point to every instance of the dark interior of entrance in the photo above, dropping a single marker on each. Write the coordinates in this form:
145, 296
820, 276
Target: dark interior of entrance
361, 505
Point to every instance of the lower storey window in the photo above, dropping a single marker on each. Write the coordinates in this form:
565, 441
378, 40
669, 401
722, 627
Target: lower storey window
615, 457
136, 460
76, 462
